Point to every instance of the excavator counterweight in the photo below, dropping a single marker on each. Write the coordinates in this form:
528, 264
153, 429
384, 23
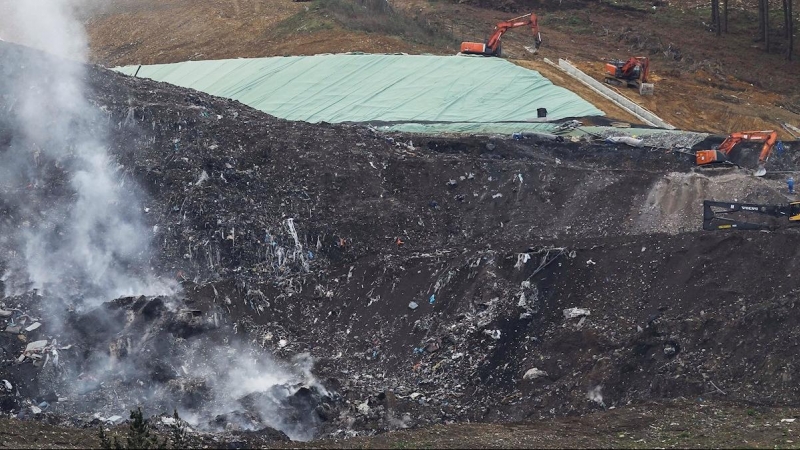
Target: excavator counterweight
492, 45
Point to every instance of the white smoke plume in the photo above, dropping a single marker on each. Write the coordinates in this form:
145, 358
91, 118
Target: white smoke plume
595, 394
90, 244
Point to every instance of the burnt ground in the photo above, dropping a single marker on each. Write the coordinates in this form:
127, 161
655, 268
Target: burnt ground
500, 240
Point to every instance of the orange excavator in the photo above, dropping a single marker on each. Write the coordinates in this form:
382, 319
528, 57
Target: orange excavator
492, 45
722, 153
635, 72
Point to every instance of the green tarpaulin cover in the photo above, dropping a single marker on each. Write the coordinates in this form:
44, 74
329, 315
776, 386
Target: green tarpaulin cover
406, 92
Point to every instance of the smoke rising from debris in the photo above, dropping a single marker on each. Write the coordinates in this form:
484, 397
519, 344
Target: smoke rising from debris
94, 246
73, 228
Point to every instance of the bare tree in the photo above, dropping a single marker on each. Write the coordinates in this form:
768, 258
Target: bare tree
715, 19
788, 28
725, 16
766, 25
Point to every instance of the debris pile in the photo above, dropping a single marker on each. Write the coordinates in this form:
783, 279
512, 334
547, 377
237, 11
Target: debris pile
453, 279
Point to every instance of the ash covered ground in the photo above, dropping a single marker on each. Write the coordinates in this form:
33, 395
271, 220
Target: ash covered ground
310, 281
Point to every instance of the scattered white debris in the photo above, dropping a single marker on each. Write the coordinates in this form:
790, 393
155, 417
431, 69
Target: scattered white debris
113, 420
203, 177
788, 420
497, 195
283, 343
533, 374
33, 326
494, 334
7, 385
628, 140
413, 305
36, 346
169, 421
571, 313
522, 258
415, 395
363, 408
589, 262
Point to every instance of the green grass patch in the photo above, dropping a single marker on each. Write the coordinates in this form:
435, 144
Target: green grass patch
572, 21
304, 22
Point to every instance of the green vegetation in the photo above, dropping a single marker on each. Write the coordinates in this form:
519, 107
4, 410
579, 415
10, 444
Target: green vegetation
304, 22
142, 435
575, 22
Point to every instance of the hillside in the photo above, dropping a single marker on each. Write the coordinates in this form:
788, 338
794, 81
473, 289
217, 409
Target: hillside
704, 83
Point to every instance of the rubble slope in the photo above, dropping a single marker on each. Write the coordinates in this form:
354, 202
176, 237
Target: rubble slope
516, 255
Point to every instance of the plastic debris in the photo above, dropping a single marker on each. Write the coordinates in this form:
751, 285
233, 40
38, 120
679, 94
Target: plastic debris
413, 305
628, 140
36, 346
533, 374
432, 299
494, 334
113, 420
33, 326
571, 313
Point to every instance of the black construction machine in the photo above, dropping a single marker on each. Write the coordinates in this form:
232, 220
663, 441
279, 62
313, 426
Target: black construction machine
735, 216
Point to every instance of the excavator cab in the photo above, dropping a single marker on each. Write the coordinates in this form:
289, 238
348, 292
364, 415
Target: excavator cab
635, 72
614, 68
794, 212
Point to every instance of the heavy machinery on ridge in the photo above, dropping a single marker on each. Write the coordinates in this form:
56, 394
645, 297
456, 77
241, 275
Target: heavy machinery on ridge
492, 46
722, 154
716, 215
635, 72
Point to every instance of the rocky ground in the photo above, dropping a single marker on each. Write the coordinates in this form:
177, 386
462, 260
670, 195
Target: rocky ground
338, 282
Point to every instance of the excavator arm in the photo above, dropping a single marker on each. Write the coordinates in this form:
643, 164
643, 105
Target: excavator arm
716, 215
492, 45
722, 153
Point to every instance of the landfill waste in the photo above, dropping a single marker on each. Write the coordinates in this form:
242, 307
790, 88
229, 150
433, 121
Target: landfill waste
628, 140
294, 315
534, 373
571, 313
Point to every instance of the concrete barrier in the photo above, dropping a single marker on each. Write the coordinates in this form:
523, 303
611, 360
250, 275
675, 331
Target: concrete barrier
619, 100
